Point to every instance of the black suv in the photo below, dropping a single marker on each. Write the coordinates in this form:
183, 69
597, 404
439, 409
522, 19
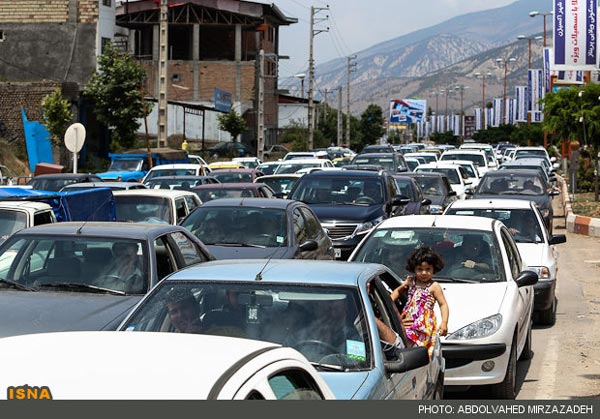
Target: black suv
349, 203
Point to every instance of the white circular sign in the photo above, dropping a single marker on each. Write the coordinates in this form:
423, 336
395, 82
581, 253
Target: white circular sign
75, 137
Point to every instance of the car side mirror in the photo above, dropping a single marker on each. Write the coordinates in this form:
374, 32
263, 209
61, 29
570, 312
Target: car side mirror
399, 200
409, 359
426, 201
280, 195
308, 246
469, 192
554, 192
452, 193
558, 239
401, 169
552, 159
527, 278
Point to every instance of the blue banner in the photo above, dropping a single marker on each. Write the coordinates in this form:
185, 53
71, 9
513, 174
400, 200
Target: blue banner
575, 34
222, 100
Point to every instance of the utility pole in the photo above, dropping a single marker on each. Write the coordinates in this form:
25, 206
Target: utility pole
260, 138
311, 70
351, 68
461, 128
162, 74
339, 118
504, 62
483, 76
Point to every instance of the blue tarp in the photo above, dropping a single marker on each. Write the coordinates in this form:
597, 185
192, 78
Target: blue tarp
37, 141
96, 204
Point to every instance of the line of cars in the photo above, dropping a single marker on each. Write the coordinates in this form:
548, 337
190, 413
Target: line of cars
355, 364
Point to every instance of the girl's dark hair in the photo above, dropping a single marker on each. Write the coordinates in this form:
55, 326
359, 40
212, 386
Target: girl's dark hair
424, 254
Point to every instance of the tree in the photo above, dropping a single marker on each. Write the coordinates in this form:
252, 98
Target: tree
371, 124
232, 123
57, 115
115, 90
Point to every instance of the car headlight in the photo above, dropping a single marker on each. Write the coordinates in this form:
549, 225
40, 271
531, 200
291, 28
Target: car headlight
436, 209
368, 225
543, 272
545, 213
479, 329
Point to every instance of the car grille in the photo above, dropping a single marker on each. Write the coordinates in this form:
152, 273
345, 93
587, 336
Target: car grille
337, 231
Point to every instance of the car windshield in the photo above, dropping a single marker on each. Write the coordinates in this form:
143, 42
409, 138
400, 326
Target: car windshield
342, 190
325, 323
206, 195
232, 177
477, 159
238, 224
11, 222
177, 184
451, 173
392, 247
127, 165
144, 209
522, 154
51, 184
76, 264
431, 185
404, 187
522, 222
170, 172
268, 169
280, 185
512, 184
284, 168
386, 162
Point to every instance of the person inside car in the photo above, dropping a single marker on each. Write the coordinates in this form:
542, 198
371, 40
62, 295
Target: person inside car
475, 253
124, 272
184, 312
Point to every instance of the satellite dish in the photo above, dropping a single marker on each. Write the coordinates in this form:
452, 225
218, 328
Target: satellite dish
75, 137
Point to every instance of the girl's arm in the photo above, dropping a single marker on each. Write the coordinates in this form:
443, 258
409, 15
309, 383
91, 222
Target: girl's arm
438, 294
398, 291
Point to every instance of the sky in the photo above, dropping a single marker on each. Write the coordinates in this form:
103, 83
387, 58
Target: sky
355, 25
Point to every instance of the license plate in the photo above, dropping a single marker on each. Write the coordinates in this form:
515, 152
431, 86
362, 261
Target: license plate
338, 253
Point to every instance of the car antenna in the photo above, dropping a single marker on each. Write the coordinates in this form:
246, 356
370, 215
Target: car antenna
94, 213
258, 276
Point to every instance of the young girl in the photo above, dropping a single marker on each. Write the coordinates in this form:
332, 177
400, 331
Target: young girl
423, 293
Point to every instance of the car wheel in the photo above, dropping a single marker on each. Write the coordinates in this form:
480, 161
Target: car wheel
507, 389
527, 352
548, 317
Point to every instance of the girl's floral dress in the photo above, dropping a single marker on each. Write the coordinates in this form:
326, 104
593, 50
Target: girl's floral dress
420, 307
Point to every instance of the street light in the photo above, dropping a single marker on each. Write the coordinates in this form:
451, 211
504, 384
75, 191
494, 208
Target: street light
504, 62
446, 92
437, 95
301, 76
536, 13
483, 76
461, 128
529, 39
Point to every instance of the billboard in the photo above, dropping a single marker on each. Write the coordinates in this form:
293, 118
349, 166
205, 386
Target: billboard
575, 35
407, 111
222, 100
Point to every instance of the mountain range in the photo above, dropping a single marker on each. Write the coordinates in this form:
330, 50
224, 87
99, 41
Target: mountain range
441, 57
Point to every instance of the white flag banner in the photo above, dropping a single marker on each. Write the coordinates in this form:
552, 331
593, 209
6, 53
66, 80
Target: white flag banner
575, 35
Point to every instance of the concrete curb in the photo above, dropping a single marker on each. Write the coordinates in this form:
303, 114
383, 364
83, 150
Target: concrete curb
577, 224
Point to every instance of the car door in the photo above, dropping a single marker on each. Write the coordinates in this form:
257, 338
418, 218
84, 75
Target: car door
524, 295
409, 385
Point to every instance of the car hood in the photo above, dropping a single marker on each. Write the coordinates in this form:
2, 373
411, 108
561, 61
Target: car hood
345, 385
233, 252
471, 302
24, 312
358, 213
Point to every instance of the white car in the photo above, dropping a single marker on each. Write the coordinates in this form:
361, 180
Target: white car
487, 149
457, 175
471, 170
162, 206
536, 246
17, 215
490, 304
292, 166
478, 158
199, 367
248, 162
178, 169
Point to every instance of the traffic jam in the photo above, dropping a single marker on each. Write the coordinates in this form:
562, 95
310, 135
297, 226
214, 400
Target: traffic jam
321, 277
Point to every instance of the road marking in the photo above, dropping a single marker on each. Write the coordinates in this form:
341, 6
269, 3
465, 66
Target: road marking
591, 261
548, 371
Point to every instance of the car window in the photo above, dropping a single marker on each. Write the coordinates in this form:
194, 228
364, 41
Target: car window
42, 218
180, 208
11, 222
313, 228
165, 259
294, 385
514, 259
191, 203
300, 232
327, 324
188, 249
144, 209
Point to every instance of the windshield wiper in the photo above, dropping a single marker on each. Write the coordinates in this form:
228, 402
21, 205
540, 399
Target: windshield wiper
231, 244
82, 287
461, 280
15, 285
327, 367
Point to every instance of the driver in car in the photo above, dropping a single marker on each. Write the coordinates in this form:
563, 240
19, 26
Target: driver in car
475, 253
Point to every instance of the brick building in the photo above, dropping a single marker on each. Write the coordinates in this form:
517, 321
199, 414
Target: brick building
211, 45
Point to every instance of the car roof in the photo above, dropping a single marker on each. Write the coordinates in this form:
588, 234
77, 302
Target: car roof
250, 202
234, 170
25, 204
164, 193
508, 172
239, 185
184, 177
344, 173
280, 176
308, 272
438, 165
443, 221
388, 154
88, 185
196, 362
176, 166
492, 204
114, 229
64, 176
